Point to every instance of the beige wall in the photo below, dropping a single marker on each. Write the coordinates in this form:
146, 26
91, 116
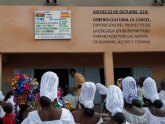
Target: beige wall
155, 61
17, 36
17, 30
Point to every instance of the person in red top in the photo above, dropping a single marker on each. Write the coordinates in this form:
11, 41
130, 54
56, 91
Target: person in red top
9, 117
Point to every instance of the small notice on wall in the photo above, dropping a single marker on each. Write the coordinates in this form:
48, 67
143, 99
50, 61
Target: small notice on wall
53, 24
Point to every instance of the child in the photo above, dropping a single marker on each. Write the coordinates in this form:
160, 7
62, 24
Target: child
9, 117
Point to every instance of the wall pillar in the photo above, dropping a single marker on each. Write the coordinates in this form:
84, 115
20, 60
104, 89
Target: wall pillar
108, 68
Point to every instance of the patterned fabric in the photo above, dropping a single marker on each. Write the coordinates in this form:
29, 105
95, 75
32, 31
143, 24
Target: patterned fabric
129, 89
135, 119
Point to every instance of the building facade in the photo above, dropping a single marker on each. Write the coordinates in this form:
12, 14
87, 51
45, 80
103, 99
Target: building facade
109, 40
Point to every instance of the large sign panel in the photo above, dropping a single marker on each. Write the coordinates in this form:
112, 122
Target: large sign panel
121, 26
53, 24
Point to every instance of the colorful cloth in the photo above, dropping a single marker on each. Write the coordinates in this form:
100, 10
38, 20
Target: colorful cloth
25, 89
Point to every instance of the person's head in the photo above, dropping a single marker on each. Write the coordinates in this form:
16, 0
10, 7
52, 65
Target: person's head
115, 103
162, 84
86, 98
8, 108
8, 95
45, 101
72, 72
49, 85
23, 107
130, 91
150, 93
119, 82
141, 80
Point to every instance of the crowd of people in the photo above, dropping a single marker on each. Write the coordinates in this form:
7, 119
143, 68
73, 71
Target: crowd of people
124, 103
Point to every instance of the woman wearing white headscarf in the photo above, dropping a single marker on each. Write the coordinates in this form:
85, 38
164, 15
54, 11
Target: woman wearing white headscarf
48, 96
151, 97
2, 113
132, 112
86, 114
114, 105
103, 92
101, 88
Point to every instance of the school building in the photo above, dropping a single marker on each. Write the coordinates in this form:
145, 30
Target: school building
103, 40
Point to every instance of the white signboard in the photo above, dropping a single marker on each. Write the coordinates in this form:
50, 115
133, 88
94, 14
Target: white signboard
53, 24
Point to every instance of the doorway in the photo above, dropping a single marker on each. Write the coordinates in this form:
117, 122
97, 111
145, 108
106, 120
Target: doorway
61, 73
122, 73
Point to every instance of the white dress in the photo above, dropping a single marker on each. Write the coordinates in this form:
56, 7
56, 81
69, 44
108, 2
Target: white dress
135, 119
99, 122
153, 119
140, 92
2, 113
33, 118
11, 100
162, 97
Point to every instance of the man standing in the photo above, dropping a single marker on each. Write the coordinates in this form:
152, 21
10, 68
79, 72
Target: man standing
79, 79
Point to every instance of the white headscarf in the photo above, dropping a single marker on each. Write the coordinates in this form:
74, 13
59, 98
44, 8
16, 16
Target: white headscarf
114, 100
1, 96
150, 89
101, 88
129, 89
49, 85
87, 94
